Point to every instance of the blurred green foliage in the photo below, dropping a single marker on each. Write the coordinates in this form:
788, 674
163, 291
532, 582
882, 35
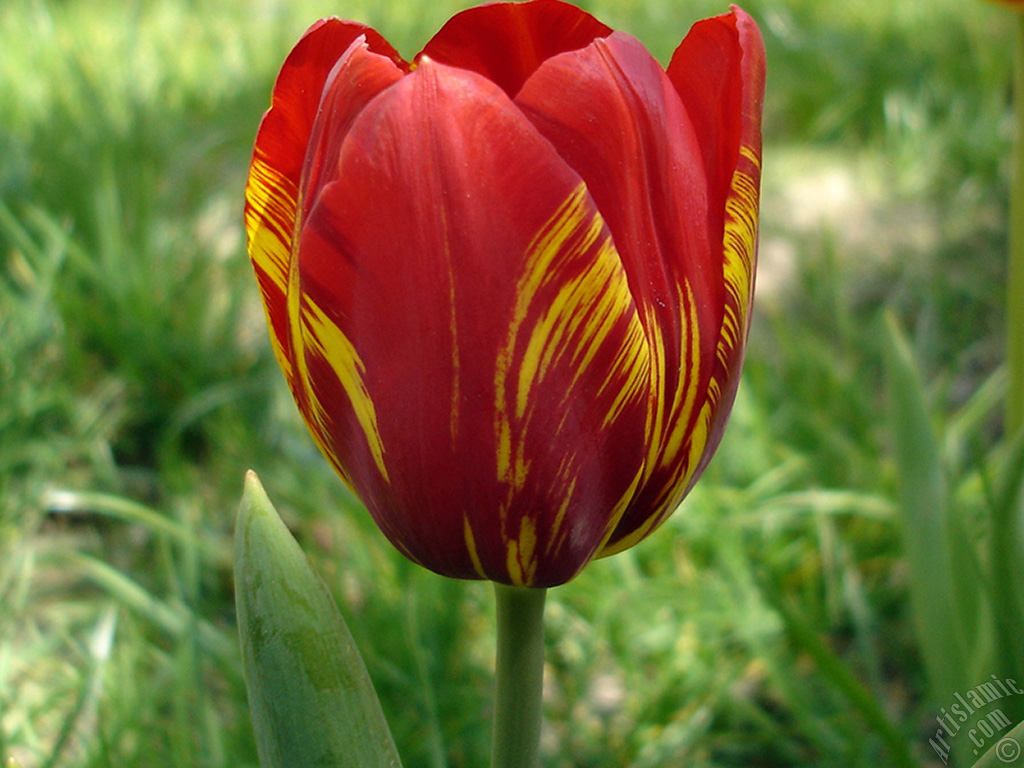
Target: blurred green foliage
768, 624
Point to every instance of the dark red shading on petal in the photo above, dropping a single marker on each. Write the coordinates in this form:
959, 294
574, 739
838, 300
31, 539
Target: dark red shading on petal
613, 114
472, 353
356, 79
272, 190
506, 42
707, 72
285, 130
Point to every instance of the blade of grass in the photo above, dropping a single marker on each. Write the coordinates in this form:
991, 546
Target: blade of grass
88, 692
119, 508
435, 736
841, 676
171, 619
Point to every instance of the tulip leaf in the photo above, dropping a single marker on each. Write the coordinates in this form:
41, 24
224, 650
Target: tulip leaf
1006, 751
945, 576
1006, 504
311, 699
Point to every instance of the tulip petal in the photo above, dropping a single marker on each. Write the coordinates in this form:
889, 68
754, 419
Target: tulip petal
272, 190
719, 72
506, 42
672, 160
613, 114
471, 355
354, 81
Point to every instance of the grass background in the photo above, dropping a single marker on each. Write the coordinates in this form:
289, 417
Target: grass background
137, 385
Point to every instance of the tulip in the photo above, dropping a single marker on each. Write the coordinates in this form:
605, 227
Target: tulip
509, 283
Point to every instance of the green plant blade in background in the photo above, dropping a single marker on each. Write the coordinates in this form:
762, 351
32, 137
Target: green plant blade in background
312, 702
1005, 752
946, 582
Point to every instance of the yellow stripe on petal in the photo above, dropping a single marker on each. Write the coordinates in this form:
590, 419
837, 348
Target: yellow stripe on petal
700, 434
503, 431
682, 438
686, 394
567, 222
740, 243
630, 539
589, 303
270, 214
672, 409
474, 556
625, 376
657, 394
575, 354
572, 296
619, 510
522, 554
556, 536
311, 332
321, 337
271, 204
740, 253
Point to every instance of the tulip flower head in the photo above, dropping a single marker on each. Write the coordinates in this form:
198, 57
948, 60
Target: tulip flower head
509, 283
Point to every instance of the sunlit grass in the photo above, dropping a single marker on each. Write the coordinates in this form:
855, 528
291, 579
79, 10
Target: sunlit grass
136, 386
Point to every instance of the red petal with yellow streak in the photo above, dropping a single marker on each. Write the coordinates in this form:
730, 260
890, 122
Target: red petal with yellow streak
272, 190
615, 116
506, 42
719, 73
472, 356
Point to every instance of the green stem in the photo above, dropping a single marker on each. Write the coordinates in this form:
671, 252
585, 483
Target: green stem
1004, 547
519, 673
1015, 270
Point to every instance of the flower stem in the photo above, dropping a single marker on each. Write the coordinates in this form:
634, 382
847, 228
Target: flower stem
519, 673
1015, 269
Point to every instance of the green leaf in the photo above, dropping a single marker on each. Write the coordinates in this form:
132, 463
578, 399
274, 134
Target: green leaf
312, 702
1005, 752
1006, 507
945, 578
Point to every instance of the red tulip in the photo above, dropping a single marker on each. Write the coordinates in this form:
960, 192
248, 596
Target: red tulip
510, 283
